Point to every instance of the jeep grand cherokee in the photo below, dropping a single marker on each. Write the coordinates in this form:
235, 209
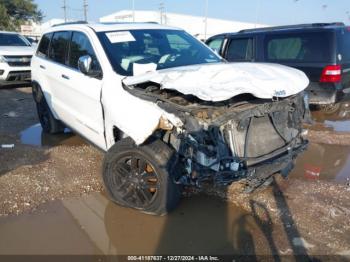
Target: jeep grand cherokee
166, 110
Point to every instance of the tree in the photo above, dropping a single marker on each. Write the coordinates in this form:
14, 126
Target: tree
14, 13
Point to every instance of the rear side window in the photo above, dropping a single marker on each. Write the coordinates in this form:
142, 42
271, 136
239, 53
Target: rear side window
240, 50
216, 44
59, 47
345, 46
306, 47
81, 46
43, 49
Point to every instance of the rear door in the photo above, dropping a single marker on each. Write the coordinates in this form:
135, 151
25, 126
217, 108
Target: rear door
53, 69
309, 51
40, 63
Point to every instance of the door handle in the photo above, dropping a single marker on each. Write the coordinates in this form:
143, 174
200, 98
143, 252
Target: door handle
65, 77
42, 67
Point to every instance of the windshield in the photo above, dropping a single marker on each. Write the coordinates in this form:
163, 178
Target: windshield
12, 40
128, 51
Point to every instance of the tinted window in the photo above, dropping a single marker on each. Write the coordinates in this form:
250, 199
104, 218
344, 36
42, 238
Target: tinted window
59, 47
240, 50
345, 46
13, 40
81, 46
43, 49
306, 47
216, 44
159, 49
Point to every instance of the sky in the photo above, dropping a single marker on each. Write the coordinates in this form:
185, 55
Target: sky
271, 12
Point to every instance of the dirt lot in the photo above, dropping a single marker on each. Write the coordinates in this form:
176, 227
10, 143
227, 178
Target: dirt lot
46, 168
306, 214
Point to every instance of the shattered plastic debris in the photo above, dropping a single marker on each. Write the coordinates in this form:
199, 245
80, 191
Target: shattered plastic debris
299, 241
10, 114
7, 145
17, 99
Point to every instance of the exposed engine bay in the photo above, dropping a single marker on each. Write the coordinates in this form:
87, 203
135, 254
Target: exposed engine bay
240, 138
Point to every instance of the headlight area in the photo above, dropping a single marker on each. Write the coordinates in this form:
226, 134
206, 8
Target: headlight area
230, 147
165, 124
205, 157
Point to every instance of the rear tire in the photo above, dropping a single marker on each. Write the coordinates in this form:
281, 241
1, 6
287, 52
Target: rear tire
48, 122
142, 177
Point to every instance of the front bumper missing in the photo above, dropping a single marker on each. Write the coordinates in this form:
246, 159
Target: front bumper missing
257, 175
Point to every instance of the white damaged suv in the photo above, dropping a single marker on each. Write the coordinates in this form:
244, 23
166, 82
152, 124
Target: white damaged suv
167, 110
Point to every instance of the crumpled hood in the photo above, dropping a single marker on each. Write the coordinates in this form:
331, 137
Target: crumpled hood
222, 81
17, 50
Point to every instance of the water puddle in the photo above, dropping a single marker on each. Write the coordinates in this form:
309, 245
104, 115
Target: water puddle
337, 121
94, 225
36, 137
323, 162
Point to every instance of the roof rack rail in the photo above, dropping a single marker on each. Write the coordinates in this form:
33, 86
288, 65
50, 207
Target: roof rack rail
313, 25
71, 23
121, 23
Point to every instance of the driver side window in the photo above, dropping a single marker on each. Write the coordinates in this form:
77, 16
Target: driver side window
81, 46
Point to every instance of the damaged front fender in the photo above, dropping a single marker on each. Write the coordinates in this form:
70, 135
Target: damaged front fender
133, 116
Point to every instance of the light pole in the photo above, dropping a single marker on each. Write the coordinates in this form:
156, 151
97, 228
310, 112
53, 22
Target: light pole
258, 4
85, 7
206, 19
162, 13
64, 7
133, 10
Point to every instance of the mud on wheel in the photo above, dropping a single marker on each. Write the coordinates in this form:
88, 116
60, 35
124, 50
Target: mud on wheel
141, 177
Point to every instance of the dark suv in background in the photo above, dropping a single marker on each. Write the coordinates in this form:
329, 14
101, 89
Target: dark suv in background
321, 51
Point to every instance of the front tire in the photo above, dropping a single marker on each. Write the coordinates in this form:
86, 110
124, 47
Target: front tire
142, 177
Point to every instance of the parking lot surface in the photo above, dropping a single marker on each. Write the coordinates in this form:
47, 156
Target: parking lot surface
51, 196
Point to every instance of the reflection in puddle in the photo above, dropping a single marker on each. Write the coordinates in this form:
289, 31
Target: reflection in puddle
340, 126
36, 137
323, 162
336, 121
94, 225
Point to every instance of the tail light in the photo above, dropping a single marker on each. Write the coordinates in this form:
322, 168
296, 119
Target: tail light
331, 74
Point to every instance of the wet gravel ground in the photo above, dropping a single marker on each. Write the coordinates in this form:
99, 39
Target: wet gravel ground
31, 175
315, 214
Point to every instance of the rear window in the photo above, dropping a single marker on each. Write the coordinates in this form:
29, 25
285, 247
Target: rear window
240, 50
43, 49
59, 47
307, 47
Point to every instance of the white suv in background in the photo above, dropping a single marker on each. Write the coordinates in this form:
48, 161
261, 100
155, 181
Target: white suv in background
15, 56
167, 110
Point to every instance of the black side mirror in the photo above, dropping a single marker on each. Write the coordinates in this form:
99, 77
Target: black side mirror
85, 65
